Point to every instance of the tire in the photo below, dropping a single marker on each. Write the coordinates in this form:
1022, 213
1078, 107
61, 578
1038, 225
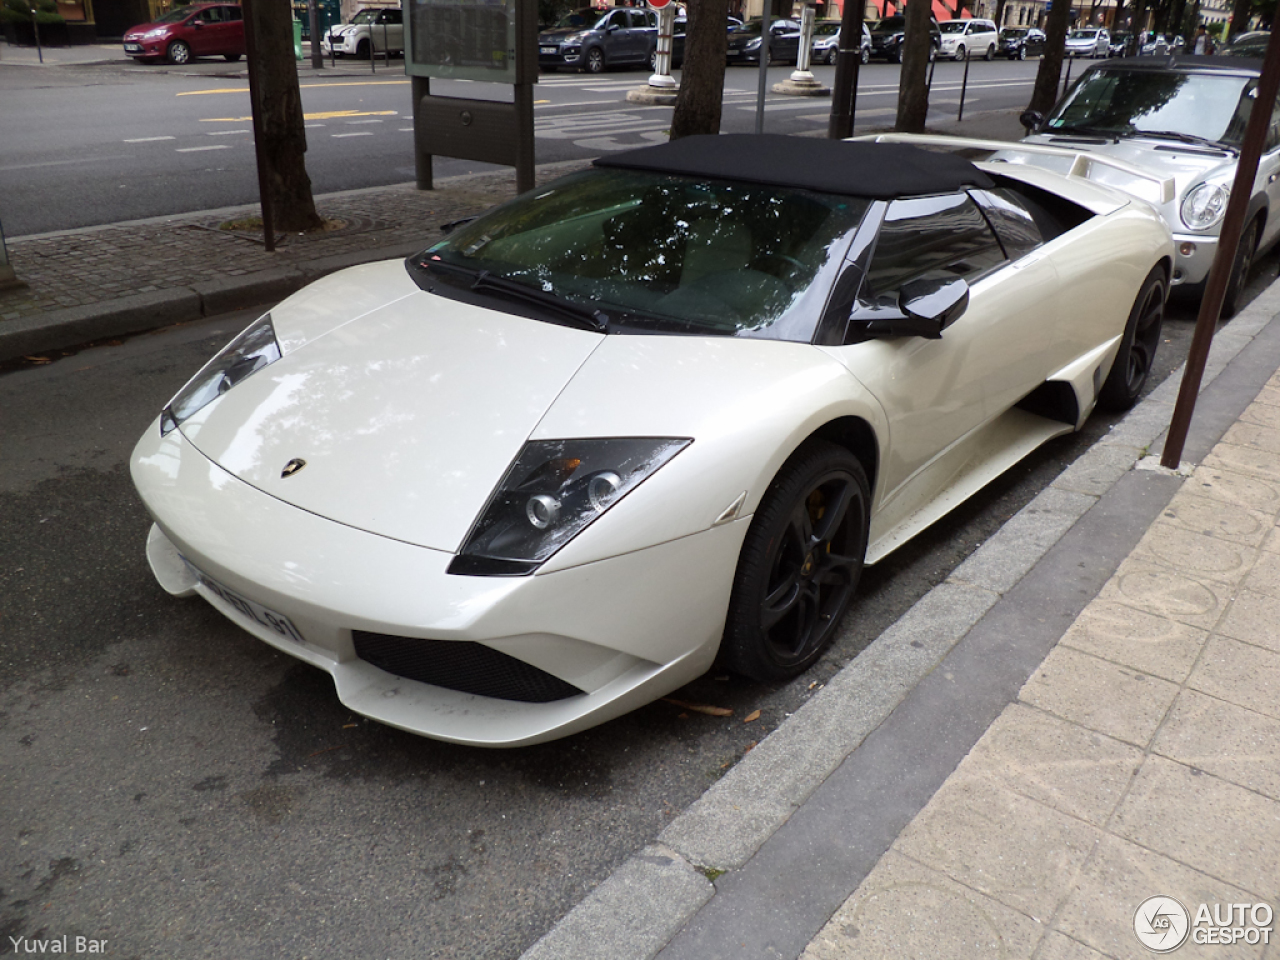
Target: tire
933, 53
799, 565
363, 50
866, 56
960, 52
1241, 267
897, 57
991, 53
1022, 53
594, 61
653, 60
1138, 345
178, 53
231, 57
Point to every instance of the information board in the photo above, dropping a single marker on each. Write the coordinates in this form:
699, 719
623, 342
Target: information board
466, 40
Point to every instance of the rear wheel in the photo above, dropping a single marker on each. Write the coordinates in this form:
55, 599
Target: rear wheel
991, 53
1241, 267
231, 57
799, 565
1138, 346
178, 52
653, 60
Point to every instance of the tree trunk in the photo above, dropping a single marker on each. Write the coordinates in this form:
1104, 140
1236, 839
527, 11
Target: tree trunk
1045, 94
913, 90
701, 93
284, 137
1240, 11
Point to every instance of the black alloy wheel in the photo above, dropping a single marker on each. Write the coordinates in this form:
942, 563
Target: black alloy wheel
1132, 366
179, 52
1249, 238
594, 61
799, 566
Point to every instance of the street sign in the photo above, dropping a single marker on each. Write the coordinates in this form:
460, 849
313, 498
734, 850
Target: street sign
658, 4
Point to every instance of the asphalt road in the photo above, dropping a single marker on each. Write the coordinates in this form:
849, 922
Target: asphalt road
102, 143
182, 790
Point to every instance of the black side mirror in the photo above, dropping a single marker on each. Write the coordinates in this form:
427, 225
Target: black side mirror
1031, 120
927, 306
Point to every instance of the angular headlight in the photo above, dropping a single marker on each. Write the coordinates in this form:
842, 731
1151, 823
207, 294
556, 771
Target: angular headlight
245, 355
553, 491
753, 45
1205, 205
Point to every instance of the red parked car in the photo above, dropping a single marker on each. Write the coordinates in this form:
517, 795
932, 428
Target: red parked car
184, 33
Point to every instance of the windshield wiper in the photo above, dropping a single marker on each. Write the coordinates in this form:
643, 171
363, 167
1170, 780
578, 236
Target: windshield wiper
482, 281
1185, 138
1085, 129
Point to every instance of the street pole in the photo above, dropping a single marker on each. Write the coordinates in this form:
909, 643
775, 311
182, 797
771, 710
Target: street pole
313, 18
255, 104
844, 96
35, 27
764, 64
1228, 242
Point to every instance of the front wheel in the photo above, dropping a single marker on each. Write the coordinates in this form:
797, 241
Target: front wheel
1138, 346
179, 53
231, 57
799, 565
960, 54
594, 61
1022, 53
866, 56
1240, 268
363, 50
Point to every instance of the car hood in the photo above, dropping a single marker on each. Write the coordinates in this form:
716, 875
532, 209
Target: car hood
145, 28
407, 415
1185, 163
556, 34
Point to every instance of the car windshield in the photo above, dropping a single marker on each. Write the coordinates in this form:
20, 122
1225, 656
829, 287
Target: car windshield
826, 29
890, 24
1082, 35
1210, 106
365, 16
1013, 33
578, 19
641, 252
952, 26
174, 16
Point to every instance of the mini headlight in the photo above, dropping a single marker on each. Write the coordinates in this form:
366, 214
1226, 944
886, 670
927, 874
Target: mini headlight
553, 492
1205, 205
248, 353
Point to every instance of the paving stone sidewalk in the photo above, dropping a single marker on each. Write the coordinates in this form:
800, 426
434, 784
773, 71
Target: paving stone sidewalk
1141, 759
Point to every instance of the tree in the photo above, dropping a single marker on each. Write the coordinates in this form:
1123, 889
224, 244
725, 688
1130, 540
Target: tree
1240, 11
1049, 75
913, 89
282, 136
706, 47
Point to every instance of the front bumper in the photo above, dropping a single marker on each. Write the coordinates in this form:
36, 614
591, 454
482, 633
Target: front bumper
559, 55
1192, 267
623, 631
144, 48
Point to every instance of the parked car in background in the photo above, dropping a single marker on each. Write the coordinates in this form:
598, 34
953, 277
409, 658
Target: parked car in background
1160, 45
826, 41
745, 41
1018, 43
370, 31
1091, 42
1184, 118
184, 33
1252, 44
592, 40
655, 415
680, 29
1123, 44
962, 39
888, 33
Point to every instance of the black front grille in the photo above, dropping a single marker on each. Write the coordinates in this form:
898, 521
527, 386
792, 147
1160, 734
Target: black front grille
462, 666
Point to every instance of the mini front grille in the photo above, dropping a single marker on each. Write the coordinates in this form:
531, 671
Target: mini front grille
462, 666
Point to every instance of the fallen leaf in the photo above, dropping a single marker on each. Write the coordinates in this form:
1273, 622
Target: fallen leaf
325, 750
753, 715
348, 726
37, 359
701, 708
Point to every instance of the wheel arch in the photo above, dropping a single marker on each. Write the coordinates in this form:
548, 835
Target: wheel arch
858, 437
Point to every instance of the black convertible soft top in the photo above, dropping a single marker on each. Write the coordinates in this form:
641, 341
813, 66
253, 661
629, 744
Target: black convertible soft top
879, 171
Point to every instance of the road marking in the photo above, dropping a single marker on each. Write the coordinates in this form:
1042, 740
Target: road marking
301, 86
579, 125
60, 163
354, 123
218, 146
149, 139
328, 115
224, 133
362, 133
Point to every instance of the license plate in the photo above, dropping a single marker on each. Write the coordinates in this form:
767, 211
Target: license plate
133, 48
276, 622
548, 49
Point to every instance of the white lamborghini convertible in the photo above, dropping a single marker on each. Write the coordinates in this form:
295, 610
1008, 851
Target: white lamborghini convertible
656, 413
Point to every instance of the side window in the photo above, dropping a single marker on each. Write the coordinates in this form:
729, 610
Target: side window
1011, 219
931, 237
233, 13
618, 19
1273, 129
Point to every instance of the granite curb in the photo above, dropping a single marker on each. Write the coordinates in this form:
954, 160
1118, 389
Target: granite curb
734, 819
